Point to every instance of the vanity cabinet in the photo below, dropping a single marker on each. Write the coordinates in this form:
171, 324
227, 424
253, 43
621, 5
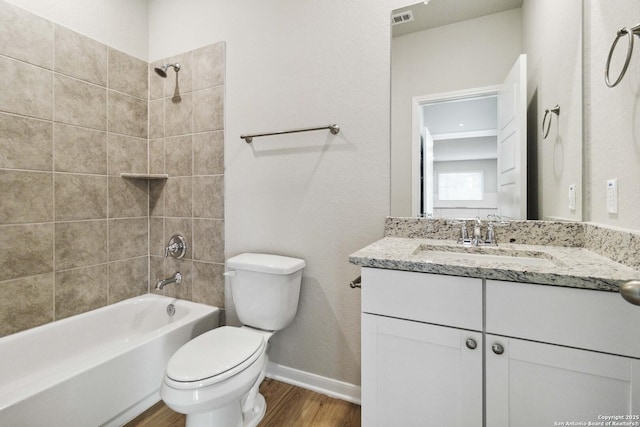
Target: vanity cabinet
549, 354
421, 349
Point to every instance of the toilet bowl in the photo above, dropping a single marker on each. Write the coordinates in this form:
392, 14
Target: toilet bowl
215, 378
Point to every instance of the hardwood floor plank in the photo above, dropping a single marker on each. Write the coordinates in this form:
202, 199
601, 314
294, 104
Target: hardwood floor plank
287, 406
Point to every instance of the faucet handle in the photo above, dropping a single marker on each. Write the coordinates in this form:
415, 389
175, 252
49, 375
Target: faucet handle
177, 247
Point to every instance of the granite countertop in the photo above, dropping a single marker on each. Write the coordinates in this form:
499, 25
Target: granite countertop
538, 264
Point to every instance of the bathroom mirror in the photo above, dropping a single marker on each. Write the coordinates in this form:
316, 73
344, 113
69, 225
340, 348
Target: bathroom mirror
449, 60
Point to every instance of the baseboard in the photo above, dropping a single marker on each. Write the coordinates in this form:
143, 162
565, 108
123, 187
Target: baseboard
330, 387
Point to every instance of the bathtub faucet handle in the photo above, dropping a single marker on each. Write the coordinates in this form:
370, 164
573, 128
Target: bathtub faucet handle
177, 246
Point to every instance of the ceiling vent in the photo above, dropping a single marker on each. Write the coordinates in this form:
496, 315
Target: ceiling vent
401, 18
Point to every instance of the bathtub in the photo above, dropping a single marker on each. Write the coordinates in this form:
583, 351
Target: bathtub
102, 367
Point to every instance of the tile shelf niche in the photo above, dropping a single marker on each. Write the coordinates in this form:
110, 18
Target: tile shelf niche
144, 175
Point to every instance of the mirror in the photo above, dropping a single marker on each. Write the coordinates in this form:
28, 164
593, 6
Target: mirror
444, 51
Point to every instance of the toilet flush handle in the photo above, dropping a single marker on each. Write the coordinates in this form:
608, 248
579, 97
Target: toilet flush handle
230, 273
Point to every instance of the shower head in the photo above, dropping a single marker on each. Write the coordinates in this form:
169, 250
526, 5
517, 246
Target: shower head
162, 71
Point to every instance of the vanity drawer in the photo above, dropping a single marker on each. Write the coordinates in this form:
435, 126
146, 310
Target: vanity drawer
443, 300
581, 318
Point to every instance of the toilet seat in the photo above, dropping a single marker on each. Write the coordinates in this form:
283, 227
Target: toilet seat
214, 357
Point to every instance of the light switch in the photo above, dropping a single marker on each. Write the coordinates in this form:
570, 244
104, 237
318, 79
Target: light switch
572, 197
612, 196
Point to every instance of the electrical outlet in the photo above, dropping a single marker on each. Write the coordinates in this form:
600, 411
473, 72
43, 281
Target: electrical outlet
612, 196
572, 197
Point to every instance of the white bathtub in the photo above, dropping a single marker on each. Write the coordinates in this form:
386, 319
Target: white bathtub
102, 367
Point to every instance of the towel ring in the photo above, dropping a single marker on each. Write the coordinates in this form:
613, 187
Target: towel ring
621, 33
545, 129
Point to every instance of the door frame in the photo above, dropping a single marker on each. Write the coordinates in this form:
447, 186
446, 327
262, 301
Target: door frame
416, 128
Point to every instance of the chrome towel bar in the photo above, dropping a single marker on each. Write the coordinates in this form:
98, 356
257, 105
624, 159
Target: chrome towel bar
334, 128
356, 283
629, 32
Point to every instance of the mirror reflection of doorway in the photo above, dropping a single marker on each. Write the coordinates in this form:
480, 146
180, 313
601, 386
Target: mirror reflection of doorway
469, 151
459, 151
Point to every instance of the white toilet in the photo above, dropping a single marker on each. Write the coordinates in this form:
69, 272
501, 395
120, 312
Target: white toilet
215, 378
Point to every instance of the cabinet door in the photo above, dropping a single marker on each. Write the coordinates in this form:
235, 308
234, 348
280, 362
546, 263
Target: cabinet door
535, 384
417, 374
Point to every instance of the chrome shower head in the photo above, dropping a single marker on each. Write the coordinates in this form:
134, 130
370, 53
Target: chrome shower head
162, 71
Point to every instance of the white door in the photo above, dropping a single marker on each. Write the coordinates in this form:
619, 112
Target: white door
533, 384
512, 142
418, 374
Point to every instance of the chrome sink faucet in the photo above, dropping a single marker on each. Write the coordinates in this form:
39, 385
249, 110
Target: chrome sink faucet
176, 278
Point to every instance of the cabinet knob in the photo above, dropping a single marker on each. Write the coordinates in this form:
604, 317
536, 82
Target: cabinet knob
471, 344
630, 291
497, 348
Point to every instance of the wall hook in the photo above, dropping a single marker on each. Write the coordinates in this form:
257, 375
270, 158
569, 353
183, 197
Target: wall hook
545, 129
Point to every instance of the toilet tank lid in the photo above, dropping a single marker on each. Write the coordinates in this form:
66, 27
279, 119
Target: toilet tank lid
266, 263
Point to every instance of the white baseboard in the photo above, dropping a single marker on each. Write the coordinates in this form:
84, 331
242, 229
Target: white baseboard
330, 387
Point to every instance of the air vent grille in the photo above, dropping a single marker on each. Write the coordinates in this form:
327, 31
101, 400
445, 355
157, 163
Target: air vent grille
401, 18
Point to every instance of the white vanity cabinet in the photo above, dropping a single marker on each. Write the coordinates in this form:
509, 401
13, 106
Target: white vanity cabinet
559, 354
548, 354
421, 349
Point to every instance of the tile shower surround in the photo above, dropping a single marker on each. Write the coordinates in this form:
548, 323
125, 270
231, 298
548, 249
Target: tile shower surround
74, 114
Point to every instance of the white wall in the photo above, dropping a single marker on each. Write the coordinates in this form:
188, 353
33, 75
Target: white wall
612, 115
464, 55
315, 196
121, 24
553, 45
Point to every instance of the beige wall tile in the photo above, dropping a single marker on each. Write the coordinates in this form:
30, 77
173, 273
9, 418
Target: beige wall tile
157, 241
208, 153
79, 56
25, 36
80, 150
156, 118
156, 271
128, 74
27, 249
25, 89
208, 283
178, 197
26, 197
79, 103
156, 197
208, 200
127, 115
127, 154
26, 303
178, 158
178, 116
182, 226
156, 156
208, 240
128, 197
128, 238
128, 279
80, 197
80, 244
180, 82
80, 290
208, 109
25, 143
208, 66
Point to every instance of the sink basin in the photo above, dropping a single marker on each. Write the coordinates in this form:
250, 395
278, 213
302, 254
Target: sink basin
485, 254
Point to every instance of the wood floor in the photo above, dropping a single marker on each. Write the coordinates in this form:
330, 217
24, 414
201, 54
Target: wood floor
287, 406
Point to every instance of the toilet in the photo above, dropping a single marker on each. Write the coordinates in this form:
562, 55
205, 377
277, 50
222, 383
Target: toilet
215, 377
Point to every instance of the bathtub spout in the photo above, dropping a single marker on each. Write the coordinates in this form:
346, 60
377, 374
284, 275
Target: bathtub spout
176, 278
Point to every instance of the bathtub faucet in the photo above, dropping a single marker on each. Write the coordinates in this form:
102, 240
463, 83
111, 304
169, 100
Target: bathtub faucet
176, 278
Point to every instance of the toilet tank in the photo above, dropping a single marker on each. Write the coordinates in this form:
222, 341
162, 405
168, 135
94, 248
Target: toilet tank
265, 289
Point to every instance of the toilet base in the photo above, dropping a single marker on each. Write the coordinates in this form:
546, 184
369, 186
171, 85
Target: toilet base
230, 416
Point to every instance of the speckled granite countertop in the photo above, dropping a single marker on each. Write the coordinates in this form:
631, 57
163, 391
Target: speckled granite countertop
548, 265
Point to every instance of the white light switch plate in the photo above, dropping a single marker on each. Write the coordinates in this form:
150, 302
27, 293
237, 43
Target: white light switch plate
572, 197
612, 196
